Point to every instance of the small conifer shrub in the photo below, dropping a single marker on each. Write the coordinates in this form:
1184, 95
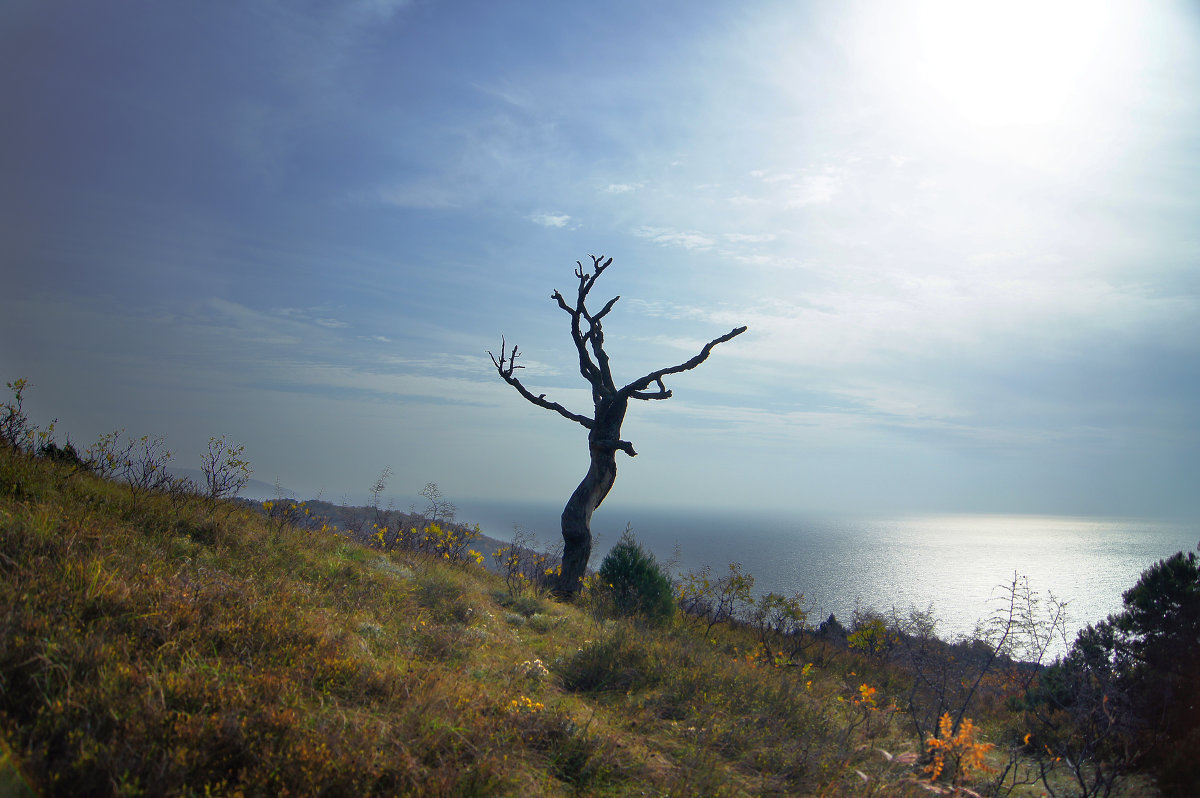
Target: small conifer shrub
634, 582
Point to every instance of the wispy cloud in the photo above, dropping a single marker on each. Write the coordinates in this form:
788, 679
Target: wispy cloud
668, 310
760, 259
768, 176
902, 277
796, 189
516, 96
675, 238
375, 10
429, 387
749, 238
235, 320
475, 365
551, 219
427, 193
813, 190
318, 316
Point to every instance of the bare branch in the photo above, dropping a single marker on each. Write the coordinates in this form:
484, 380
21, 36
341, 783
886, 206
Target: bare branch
636, 389
604, 311
512, 359
596, 334
661, 393
506, 365
586, 281
562, 303
624, 446
595, 371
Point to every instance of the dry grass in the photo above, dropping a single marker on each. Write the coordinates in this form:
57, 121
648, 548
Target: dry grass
159, 646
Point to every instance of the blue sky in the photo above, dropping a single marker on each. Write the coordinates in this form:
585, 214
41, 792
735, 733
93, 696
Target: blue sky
965, 239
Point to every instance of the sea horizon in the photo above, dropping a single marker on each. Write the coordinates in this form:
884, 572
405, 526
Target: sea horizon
956, 563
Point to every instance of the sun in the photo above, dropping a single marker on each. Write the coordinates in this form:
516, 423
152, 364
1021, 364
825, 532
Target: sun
1016, 62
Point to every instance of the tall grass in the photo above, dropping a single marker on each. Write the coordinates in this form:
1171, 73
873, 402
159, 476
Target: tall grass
153, 646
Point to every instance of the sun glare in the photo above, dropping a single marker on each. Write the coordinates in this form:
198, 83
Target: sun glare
1016, 62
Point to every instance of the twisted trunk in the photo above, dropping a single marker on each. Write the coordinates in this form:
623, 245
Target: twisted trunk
603, 441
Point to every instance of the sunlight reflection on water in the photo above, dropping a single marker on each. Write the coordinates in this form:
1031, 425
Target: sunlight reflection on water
954, 562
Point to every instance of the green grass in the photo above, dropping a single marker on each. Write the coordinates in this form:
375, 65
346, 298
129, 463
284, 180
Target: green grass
158, 645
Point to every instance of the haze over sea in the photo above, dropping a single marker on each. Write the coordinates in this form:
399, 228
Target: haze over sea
954, 562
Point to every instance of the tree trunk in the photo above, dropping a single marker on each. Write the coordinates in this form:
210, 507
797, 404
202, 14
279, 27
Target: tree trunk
577, 519
603, 440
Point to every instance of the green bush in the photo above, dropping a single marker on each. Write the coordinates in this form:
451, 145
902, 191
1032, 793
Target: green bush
1136, 675
634, 582
1157, 650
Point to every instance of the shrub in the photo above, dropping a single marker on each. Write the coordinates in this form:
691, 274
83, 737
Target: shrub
870, 635
1150, 655
636, 583
524, 568
15, 429
832, 628
956, 754
619, 662
524, 606
225, 472
444, 594
144, 465
65, 455
108, 455
713, 601
778, 621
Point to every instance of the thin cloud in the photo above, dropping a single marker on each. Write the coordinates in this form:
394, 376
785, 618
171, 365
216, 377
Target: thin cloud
675, 238
376, 10
767, 176
749, 238
508, 94
418, 194
551, 219
318, 316
232, 319
813, 190
668, 310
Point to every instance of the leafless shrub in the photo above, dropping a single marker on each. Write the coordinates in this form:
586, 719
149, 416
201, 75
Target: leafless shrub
225, 471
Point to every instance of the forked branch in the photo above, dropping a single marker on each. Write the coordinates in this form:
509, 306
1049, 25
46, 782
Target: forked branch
637, 388
507, 363
593, 360
593, 365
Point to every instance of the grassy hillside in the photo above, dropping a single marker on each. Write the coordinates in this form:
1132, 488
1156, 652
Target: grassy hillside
158, 642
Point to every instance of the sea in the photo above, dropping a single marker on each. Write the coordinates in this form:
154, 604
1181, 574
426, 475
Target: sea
958, 565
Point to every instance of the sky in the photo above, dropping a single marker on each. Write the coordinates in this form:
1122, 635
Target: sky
965, 238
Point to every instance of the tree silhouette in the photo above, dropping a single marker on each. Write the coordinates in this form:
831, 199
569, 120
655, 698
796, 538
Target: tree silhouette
604, 425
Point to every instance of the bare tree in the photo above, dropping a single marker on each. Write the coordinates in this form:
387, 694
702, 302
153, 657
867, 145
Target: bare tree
604, 425
438, 510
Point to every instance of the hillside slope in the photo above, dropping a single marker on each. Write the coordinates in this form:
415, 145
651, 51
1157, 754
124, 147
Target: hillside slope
159, 643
